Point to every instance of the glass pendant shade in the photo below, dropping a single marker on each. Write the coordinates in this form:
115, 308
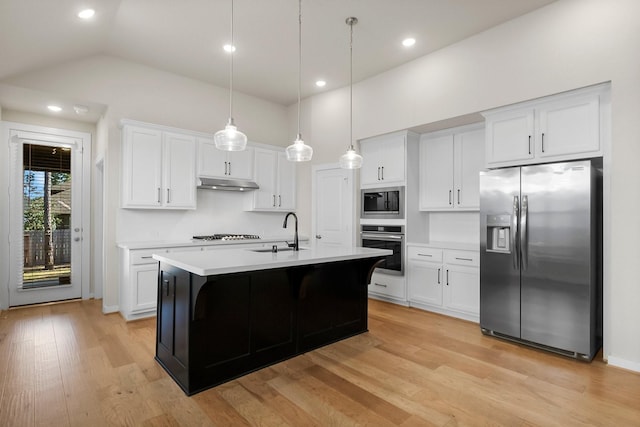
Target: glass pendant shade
230, 138
299, 151
351, 160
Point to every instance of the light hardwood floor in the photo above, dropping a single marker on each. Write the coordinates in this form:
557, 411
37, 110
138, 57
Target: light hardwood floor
68, 364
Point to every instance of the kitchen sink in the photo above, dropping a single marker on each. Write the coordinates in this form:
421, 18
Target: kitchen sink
279, 250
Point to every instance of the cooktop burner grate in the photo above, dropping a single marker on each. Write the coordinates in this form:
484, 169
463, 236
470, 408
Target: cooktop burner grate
227, 237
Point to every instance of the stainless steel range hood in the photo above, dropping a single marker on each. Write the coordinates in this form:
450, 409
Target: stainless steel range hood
227, 184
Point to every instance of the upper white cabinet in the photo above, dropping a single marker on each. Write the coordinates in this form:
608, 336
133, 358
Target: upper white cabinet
277, 180
561, 127
214, 163
159, 168
383, 160
450, 164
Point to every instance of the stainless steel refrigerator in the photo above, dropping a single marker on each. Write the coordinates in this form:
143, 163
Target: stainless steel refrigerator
541, 256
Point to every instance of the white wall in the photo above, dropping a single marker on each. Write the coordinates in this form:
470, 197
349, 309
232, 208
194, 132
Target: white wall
566, 45
134, 91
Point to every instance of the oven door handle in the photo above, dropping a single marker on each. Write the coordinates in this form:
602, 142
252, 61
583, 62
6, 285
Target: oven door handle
389, 237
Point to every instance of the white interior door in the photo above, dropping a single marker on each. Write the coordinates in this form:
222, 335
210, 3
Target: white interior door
46, 217
333, 206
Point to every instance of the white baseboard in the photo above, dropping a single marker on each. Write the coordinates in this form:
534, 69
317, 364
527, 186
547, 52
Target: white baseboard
622, 363
106, 309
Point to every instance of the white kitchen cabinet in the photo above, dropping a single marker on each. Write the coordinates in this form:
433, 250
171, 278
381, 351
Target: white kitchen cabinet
139, 281
383, 160
214, 163
158, 169
276, 178
450, 164
445, 281
556, 128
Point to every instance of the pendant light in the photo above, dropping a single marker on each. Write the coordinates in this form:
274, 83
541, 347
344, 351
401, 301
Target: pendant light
351, 159
299, 151
230, 138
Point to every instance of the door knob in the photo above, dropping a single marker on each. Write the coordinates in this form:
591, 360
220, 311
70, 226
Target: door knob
76, 239
318, 236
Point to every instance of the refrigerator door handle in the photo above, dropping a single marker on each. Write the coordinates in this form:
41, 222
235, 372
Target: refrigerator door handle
524, 235
514, 233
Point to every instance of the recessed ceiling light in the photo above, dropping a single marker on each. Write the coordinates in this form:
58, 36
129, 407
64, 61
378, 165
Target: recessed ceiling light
86, 14
321, 83
229, 48
408, 42
54, 108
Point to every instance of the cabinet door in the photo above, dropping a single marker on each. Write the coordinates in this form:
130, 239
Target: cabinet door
370, 171
436, 173
141, 167
286, 183
569, 126
510, 136
240, 164
462, 288
144, 287
266, 162
392, 157
468, 161
425, 282
179, 164
212, 163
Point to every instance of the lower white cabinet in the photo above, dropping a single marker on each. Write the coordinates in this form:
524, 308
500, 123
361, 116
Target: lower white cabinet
444, 280
139, 281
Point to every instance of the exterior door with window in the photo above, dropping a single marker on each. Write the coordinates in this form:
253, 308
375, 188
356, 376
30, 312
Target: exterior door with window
46, 217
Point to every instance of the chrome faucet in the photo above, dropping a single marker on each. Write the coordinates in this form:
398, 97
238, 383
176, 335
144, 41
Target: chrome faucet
293, 245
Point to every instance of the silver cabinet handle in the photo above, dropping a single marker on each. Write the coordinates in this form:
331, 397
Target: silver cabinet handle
378, 173
274, 200
382, 168
543, 142
447, 277
524, 234
159, 195
439, 276
168, 195
229, 168
318, 236
529, 144
464, 259
279, 200
458, 196
147, 257
429, 255
449, 196
514, 233
225, 168
381, 285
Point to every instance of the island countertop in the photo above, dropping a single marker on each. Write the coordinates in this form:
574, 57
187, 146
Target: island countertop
205, 263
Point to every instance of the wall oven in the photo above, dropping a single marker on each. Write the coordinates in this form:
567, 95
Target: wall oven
386, 237
377, 203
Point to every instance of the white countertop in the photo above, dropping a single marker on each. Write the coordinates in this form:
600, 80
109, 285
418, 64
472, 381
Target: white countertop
459, 246
205, 263
158, 244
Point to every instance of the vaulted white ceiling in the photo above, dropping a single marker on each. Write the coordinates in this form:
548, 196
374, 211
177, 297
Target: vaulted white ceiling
186, 36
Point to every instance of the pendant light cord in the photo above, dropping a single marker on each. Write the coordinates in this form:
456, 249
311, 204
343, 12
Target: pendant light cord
351, 22
231, 70
299, 137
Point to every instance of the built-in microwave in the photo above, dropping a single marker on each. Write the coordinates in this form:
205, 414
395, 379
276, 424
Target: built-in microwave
379, 203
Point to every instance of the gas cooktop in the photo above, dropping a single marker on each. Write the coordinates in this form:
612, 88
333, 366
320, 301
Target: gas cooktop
227, 237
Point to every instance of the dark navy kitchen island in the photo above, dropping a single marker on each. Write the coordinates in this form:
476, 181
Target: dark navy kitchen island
221, 315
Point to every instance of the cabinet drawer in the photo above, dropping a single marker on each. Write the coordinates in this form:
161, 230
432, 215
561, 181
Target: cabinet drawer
389, 288
424, 254
462, 258
142, 257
